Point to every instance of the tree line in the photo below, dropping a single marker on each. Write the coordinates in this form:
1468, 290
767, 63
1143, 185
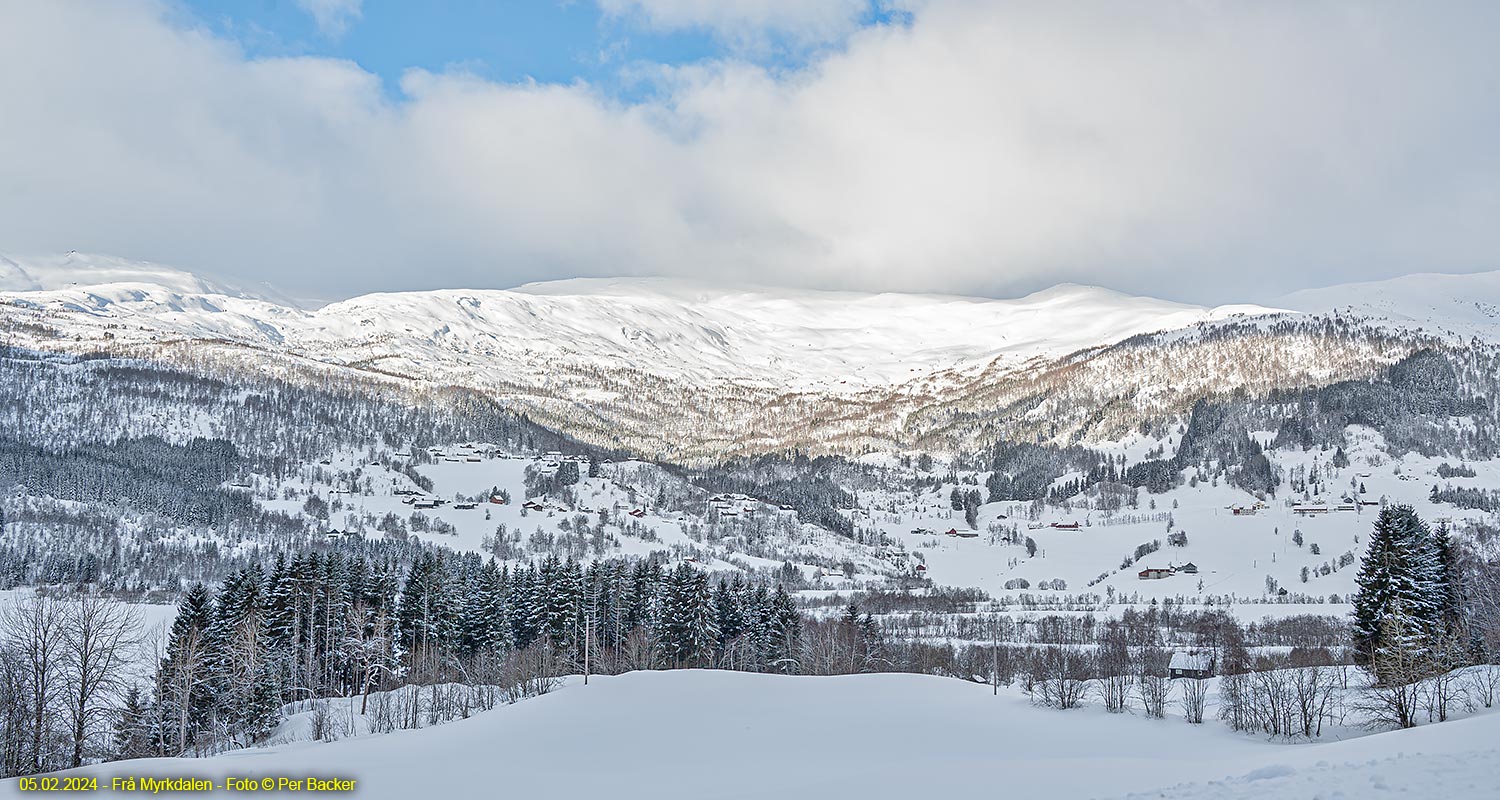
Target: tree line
331, 625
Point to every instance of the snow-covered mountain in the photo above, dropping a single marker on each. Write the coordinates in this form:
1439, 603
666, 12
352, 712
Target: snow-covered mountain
684, 370
81, 270
1471, 301
668, 328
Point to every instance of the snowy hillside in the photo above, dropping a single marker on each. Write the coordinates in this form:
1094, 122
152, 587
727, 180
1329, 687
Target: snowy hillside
687, 372
675, 329
819, 339
691, 734
1305, 545
609, 361
631, 509
1449, 301
82, 270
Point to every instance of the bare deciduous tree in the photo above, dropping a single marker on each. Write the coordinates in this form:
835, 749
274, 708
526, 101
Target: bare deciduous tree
99, 639
33, 629
1061, 676
1194, 695
1115, 666
1153, 686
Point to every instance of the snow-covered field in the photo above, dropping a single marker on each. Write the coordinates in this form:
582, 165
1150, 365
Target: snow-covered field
734, 735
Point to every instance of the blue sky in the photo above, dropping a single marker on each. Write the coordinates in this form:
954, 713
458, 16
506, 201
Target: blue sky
548, 41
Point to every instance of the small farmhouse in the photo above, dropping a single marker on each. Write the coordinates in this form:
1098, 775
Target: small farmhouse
1191, 665
1154, 573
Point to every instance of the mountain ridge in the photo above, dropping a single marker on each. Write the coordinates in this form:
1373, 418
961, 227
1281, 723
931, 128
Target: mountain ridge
677, 369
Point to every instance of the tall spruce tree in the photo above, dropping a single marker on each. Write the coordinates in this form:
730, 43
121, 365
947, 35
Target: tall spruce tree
784, 625
1402, 573
184, 691
690, 630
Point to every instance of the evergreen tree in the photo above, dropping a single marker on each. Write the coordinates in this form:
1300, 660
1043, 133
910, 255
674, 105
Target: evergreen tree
784, 652
1402, 570
1448, 572
425, 615
133, 727
183, 688
690, 632
260, 711
757, 605
729, 611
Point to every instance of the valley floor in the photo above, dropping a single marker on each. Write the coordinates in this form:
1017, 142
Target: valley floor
700, 734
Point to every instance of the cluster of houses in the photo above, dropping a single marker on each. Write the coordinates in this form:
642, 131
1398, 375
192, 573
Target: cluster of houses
418, 500
552, 459
1157, 573
1062, 526
733, 505
1317, 509
470, 453
1303, 509
954, 532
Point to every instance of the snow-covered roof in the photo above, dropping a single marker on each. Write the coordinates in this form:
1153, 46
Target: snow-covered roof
1193, 661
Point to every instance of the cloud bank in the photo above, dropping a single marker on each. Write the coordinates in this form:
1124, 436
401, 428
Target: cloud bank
1194, 150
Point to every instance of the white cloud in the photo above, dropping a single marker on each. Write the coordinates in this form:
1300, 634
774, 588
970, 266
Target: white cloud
747, 20
1193, 150
333, 17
